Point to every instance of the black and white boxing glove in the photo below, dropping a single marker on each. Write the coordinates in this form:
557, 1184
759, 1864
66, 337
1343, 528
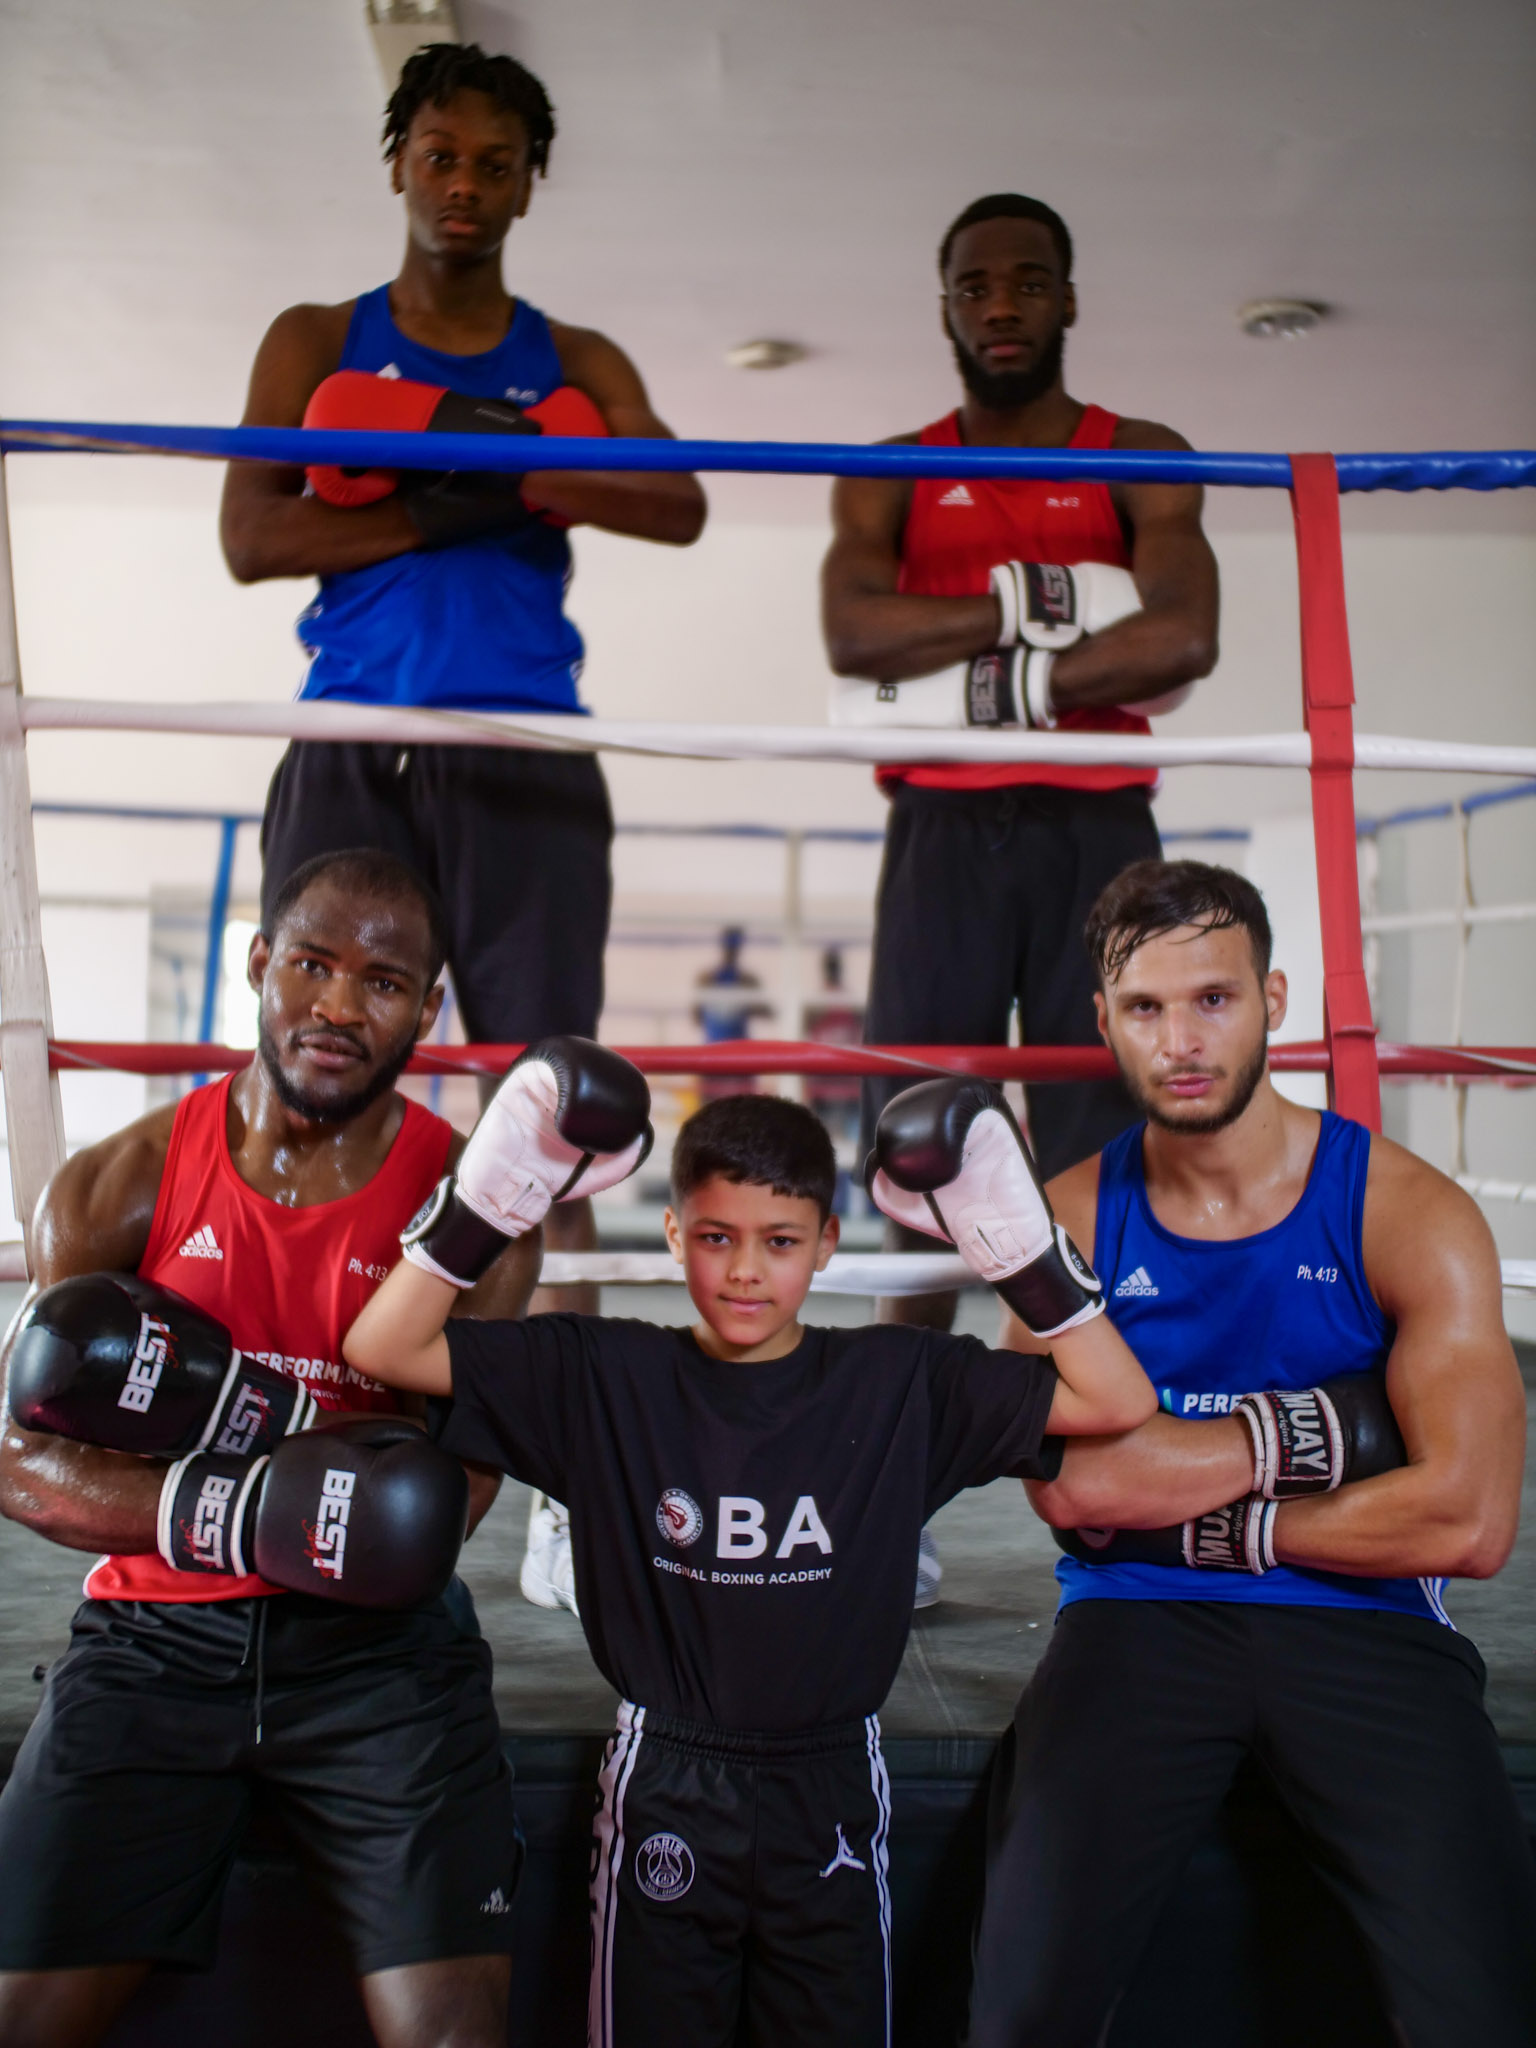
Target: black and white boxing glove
1314, 1439
570, 1119
368, 1513
1237, 1538
114, 1360
950, 1160
1047, 606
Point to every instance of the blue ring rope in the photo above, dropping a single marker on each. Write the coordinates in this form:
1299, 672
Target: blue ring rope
1462, 470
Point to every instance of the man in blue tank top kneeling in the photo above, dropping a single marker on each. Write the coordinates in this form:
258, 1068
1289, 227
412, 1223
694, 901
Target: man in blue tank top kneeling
1259, 1569
446, 589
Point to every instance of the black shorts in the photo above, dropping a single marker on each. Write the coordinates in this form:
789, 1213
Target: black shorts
515, 842
982, 902
740, 1888
372, 1735
1370, 1726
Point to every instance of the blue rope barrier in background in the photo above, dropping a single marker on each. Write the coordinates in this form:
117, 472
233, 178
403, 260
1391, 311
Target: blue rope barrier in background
1467, 470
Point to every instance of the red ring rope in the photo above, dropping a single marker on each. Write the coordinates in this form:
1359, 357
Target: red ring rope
748, 1056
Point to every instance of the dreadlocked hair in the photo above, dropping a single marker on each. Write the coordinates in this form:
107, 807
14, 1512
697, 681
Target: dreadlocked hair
439, 70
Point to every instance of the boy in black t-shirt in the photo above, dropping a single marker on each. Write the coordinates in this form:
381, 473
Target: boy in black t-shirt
745, 1498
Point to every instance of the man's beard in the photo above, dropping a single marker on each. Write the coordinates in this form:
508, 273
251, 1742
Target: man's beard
1202, 1124
1005, 390
330, 1109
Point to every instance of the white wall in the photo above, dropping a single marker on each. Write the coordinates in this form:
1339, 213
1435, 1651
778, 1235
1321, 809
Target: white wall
122, 593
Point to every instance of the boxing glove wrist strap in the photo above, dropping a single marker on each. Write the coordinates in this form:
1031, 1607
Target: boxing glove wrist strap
255, 1409
1036, 692
454, 505
207, 1510
1298, 1441
1238, 1538
1005, 588
1054, 1292
449, 1239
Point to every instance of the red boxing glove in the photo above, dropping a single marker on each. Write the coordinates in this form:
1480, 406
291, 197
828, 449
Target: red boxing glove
358, 401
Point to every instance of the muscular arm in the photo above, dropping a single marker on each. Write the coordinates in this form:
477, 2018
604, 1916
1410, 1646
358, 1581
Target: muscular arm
873, 631
270, 528
267, 526
1455, 1389
1172, 639
95, 1217
1453, 1509
664, 506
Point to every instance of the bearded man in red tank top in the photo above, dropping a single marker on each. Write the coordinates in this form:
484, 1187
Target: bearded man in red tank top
273, 1201
990, 871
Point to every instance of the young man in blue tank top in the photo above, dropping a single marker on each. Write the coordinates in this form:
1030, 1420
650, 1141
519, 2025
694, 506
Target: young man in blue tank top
449, 591
1258, 1570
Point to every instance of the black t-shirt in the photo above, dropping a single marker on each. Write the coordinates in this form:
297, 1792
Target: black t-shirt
745, 1536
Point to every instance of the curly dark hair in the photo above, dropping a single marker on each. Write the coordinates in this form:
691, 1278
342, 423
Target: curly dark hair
439, 70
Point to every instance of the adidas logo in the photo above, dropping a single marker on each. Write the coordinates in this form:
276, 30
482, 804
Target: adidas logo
390, 370
496, 1903
1139, 1282
959, 495
202, 1244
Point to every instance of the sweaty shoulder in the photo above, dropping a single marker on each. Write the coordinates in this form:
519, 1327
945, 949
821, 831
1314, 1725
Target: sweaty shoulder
1074, 1195
96, 1212
1420, 1229
1147, 434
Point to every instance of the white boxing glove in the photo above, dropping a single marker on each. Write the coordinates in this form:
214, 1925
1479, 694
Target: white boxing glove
949, 1160
1044, 607
570, 1119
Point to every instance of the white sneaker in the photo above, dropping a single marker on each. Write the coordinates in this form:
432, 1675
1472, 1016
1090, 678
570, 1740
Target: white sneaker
929, 1571
548, 1576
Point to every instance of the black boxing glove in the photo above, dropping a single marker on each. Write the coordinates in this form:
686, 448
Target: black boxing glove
114, 1360
570, 1119
949, 1159
445, 506
1314, 1439
368, 1513
1237, 1538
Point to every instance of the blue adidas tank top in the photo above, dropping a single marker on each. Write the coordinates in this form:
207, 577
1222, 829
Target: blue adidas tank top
1212, 1320
477, 627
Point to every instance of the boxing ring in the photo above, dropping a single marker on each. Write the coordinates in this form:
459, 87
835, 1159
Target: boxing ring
1326, 748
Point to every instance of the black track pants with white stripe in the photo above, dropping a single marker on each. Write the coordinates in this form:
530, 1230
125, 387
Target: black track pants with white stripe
740, 1882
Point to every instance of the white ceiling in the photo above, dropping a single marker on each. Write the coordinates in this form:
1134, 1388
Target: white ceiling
173, 172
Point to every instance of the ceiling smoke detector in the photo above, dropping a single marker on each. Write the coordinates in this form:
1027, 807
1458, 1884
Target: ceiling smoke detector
765, 355
1279, 319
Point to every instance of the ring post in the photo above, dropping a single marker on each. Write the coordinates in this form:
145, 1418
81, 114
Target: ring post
34, 1115
1328, 694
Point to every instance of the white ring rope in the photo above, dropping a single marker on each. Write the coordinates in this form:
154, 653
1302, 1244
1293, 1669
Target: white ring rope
863, 1273
563, 732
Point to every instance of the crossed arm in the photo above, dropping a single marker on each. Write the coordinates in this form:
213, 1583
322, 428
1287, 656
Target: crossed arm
270, 528
95, 1217
875, 631
1455, 1389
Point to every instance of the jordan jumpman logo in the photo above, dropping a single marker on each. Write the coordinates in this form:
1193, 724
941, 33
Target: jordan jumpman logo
844, 1858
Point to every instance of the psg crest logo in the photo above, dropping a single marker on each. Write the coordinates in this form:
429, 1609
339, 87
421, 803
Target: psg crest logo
679, 1519
664, 1864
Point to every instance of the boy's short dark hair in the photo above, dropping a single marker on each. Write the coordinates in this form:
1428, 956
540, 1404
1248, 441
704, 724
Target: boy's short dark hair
1155, 896
760, 1140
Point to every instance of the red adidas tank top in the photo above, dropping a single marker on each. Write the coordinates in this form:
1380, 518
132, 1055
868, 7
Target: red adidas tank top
954, 534
286, 1283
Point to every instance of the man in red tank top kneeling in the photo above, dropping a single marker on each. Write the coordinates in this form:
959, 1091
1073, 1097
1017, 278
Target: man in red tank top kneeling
990, 870
271, 1202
